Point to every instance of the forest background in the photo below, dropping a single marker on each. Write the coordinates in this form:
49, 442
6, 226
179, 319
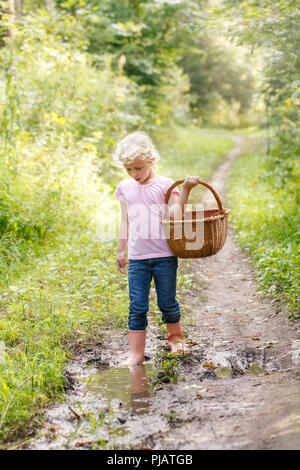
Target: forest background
78, 75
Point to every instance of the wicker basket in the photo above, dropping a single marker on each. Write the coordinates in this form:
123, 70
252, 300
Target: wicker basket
194, 237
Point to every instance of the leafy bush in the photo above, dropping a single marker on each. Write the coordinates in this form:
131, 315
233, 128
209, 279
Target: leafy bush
60, 120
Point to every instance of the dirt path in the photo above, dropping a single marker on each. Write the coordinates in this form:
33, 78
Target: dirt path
238, 389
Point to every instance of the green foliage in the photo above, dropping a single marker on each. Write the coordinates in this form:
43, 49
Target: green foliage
60, 119
157, 44
149, 40
66, 83
223, 82
272, 27
144, 42
146, 33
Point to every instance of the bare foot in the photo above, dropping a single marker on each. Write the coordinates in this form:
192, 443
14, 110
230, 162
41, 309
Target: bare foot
132, 360
178, 347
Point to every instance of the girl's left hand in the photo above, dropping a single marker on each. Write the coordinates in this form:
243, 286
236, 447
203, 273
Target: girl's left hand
191, 181
121, 262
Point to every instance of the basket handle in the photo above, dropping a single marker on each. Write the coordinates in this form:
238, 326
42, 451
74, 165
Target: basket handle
200, 182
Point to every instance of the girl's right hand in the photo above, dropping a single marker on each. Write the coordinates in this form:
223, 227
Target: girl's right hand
121, 262
190, 182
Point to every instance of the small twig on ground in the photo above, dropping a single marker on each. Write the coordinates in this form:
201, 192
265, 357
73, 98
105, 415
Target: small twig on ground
74, 412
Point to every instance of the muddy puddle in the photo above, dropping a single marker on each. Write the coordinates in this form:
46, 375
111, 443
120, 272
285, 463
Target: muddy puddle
124, 387
125, 408
104, 408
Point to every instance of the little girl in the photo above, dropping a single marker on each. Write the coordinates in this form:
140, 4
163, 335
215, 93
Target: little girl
142, 199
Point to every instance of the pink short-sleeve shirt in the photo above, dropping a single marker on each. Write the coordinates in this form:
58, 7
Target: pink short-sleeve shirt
145, 208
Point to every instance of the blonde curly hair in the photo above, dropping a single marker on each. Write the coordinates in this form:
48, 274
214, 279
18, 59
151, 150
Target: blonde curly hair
133, 146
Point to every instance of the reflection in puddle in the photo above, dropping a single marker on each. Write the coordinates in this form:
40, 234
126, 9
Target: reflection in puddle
128, 385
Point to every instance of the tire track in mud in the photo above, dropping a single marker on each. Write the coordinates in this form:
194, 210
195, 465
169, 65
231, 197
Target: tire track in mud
237, 389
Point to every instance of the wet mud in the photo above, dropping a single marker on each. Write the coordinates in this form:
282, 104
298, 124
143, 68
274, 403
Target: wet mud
238, 388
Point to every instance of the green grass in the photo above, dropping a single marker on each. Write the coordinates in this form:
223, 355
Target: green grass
264, 202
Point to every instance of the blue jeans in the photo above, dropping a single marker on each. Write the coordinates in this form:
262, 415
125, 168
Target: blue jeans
140, 273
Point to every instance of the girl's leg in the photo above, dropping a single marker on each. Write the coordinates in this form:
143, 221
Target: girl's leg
139, 280
176, 338
137, 342
165, 273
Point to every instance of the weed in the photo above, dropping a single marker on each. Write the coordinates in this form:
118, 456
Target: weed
166, 366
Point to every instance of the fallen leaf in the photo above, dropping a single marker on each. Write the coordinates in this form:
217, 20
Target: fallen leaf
268, 346
209, 364
257, 370
200, 397
223, 372
54, 428
256, 339
83, 443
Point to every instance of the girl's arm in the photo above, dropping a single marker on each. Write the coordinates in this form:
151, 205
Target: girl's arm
121, 261
177, 203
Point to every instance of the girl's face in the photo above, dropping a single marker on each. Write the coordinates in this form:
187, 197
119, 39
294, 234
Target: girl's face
140, 170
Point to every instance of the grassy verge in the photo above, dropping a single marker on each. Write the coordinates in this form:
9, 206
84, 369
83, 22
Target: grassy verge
70, 290
68, 293
264, 205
